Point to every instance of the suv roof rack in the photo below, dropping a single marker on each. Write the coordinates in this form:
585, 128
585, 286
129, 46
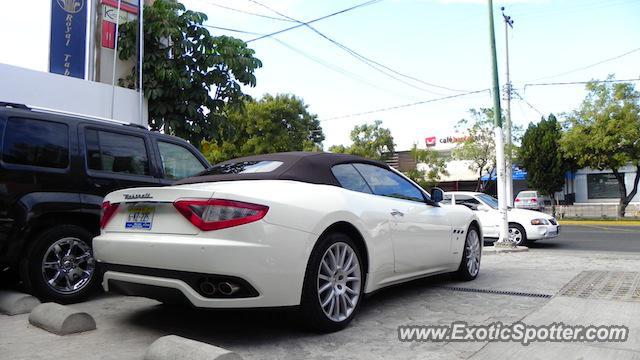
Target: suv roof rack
62, 112
14, 105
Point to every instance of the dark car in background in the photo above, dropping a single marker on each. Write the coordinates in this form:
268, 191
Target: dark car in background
55, 169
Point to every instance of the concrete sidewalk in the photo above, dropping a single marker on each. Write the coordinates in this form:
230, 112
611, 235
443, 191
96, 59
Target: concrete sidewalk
127, 326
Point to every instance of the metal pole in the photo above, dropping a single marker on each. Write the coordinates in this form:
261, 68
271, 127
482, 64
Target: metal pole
115, 58
497, 116
140, 60
508, 22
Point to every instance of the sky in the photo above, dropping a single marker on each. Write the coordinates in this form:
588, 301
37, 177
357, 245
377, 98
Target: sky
440, 42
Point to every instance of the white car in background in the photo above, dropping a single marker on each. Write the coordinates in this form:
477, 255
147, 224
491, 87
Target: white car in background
529, 199
312, 230
524, 225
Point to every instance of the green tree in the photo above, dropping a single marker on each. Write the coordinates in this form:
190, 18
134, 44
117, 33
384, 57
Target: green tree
371, 141
271, 124
431, 167
542, 157
603, 133
479, 148
190, 76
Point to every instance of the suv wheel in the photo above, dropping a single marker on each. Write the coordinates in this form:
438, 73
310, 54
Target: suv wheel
60, 266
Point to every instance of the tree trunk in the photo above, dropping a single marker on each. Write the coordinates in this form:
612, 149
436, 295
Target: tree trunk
627, 199
622, 187
552, 196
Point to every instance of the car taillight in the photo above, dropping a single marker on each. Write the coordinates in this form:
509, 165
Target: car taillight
218, 214
108, 210
517, 200
534, 200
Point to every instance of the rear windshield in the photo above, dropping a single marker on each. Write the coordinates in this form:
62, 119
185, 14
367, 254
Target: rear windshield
244, 167
528, 194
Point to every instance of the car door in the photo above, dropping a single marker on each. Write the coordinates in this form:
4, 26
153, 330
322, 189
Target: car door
420, 233
488, 215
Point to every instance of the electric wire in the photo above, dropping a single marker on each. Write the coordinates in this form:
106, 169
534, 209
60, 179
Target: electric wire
404, 105
367, 61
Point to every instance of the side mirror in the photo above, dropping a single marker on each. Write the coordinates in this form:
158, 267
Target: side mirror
482, 208
437, 194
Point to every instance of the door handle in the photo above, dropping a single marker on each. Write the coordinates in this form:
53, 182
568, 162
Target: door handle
395, 212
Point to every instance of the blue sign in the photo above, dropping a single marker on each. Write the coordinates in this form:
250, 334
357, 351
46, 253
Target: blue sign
68, 37
516, 174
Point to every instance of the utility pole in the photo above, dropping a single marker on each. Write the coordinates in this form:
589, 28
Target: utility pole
504, 240
140, 60
508, 23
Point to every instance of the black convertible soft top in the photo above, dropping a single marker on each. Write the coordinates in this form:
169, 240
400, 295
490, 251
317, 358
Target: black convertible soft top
309, 167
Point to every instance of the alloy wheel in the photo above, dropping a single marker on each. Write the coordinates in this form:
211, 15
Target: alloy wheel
68, 265
473, 252
339, 281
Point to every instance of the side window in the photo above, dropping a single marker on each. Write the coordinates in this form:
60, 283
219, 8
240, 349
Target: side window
177, 161
117, 153
36, 143
350, 178
467, 201
386, 183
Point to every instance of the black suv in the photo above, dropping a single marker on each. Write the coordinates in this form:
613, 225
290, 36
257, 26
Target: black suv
54, 171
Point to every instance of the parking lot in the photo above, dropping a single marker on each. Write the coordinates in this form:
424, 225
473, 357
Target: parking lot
511, 287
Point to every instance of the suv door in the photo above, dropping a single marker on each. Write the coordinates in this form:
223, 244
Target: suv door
117, 159
177, 160
421, 233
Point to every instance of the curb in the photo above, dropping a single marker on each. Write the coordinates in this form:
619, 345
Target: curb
172, 347
15, 303
488, 250
60, 319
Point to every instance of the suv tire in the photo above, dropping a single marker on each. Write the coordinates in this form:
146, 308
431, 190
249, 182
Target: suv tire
60, 266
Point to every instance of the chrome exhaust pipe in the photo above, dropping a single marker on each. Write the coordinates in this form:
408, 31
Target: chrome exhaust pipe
227, 288
207, 288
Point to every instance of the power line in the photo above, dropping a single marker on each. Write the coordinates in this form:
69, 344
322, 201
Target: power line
528, 104
589, 66
335, 68
330, 66
367, 61
300, 24
405, 105
247, 12
229, 29
580, 82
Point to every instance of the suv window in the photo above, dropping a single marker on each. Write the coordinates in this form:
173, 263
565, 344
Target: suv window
118, 153
386, 183
177, 161
350, 178
36, 143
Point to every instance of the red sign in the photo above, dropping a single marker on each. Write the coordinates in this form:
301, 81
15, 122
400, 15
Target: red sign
430, 141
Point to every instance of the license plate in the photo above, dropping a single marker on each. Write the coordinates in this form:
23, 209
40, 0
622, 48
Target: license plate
140, 217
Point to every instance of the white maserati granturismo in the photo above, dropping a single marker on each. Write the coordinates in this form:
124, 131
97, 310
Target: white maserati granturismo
316, 231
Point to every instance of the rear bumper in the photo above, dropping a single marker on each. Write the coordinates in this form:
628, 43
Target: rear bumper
271, 259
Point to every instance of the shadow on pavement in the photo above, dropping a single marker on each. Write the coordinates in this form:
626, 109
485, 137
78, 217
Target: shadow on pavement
255, 326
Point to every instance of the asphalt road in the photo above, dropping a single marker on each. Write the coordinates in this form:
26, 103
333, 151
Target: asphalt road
594, 238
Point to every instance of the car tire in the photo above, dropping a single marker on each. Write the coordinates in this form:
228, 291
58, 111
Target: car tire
339, 285
470, 263
60, 266
519, 234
